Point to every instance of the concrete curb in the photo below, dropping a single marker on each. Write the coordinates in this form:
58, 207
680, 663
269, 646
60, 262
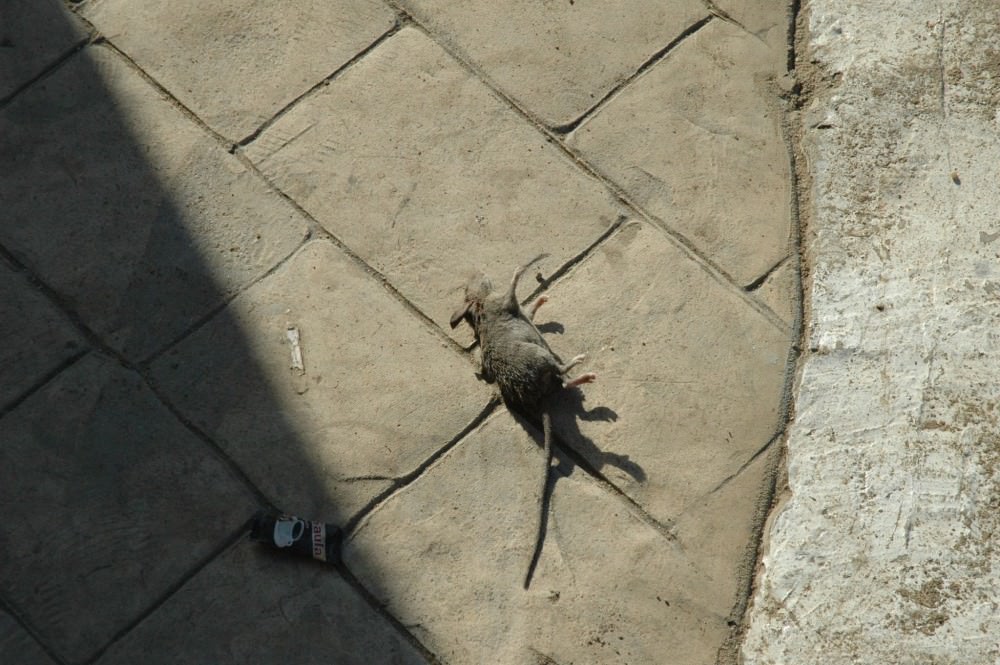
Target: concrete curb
884, 551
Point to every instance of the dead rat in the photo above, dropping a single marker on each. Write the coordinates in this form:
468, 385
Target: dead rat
517, 358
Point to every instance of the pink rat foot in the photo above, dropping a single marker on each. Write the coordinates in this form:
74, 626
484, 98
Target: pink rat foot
589, 377
539, 301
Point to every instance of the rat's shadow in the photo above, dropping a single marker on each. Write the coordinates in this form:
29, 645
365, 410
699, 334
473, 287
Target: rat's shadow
570, 446
572, 449
567, 410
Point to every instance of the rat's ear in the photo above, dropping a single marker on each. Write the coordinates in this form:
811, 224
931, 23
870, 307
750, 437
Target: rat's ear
460, 314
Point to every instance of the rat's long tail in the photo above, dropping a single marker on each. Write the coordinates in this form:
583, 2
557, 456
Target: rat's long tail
510, 301
543, 504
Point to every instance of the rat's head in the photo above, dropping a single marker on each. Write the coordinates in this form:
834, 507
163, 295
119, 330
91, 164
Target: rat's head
477, 289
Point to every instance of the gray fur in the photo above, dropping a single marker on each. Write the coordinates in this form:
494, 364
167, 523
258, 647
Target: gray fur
519, 361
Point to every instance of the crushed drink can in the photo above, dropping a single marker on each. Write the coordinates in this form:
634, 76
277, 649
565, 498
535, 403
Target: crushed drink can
293, 534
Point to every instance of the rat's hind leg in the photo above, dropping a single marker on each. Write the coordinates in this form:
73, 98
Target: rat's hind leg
572, 363
539, 301
589, 377
583, 378
511, 300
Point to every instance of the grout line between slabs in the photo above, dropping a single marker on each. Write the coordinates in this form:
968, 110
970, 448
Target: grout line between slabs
759, 282
642, 69
676, 238
42, 381
217, 450
769, 500
780, 434
98, 346
233, 148
317, 230
52, 67
353, 524
324, 82
379, 608
29, 628
630, 504
321, 232
722, 14
404, 18
164, 93
710, 267
574, 261
225, 302
59, 303
141, 368
231, 540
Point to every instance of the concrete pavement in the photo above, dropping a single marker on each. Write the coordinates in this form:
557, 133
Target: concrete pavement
182, 183
885, 550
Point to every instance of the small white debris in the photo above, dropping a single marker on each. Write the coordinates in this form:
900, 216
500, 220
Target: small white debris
293, 338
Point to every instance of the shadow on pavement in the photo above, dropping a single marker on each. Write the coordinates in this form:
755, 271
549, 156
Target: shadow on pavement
125, 227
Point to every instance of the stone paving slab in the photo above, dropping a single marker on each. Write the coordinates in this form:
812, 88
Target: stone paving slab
379, 395
157, 223
766, 20
417, 167
608, 587
33, 35
16, 643
557, 59
719, 533
35, 337
253, 606
697, 142
693, 373
780, 291
113, 496
237, 64
143, 224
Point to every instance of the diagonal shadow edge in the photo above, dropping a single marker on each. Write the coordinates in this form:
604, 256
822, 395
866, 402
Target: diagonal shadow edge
117, 166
